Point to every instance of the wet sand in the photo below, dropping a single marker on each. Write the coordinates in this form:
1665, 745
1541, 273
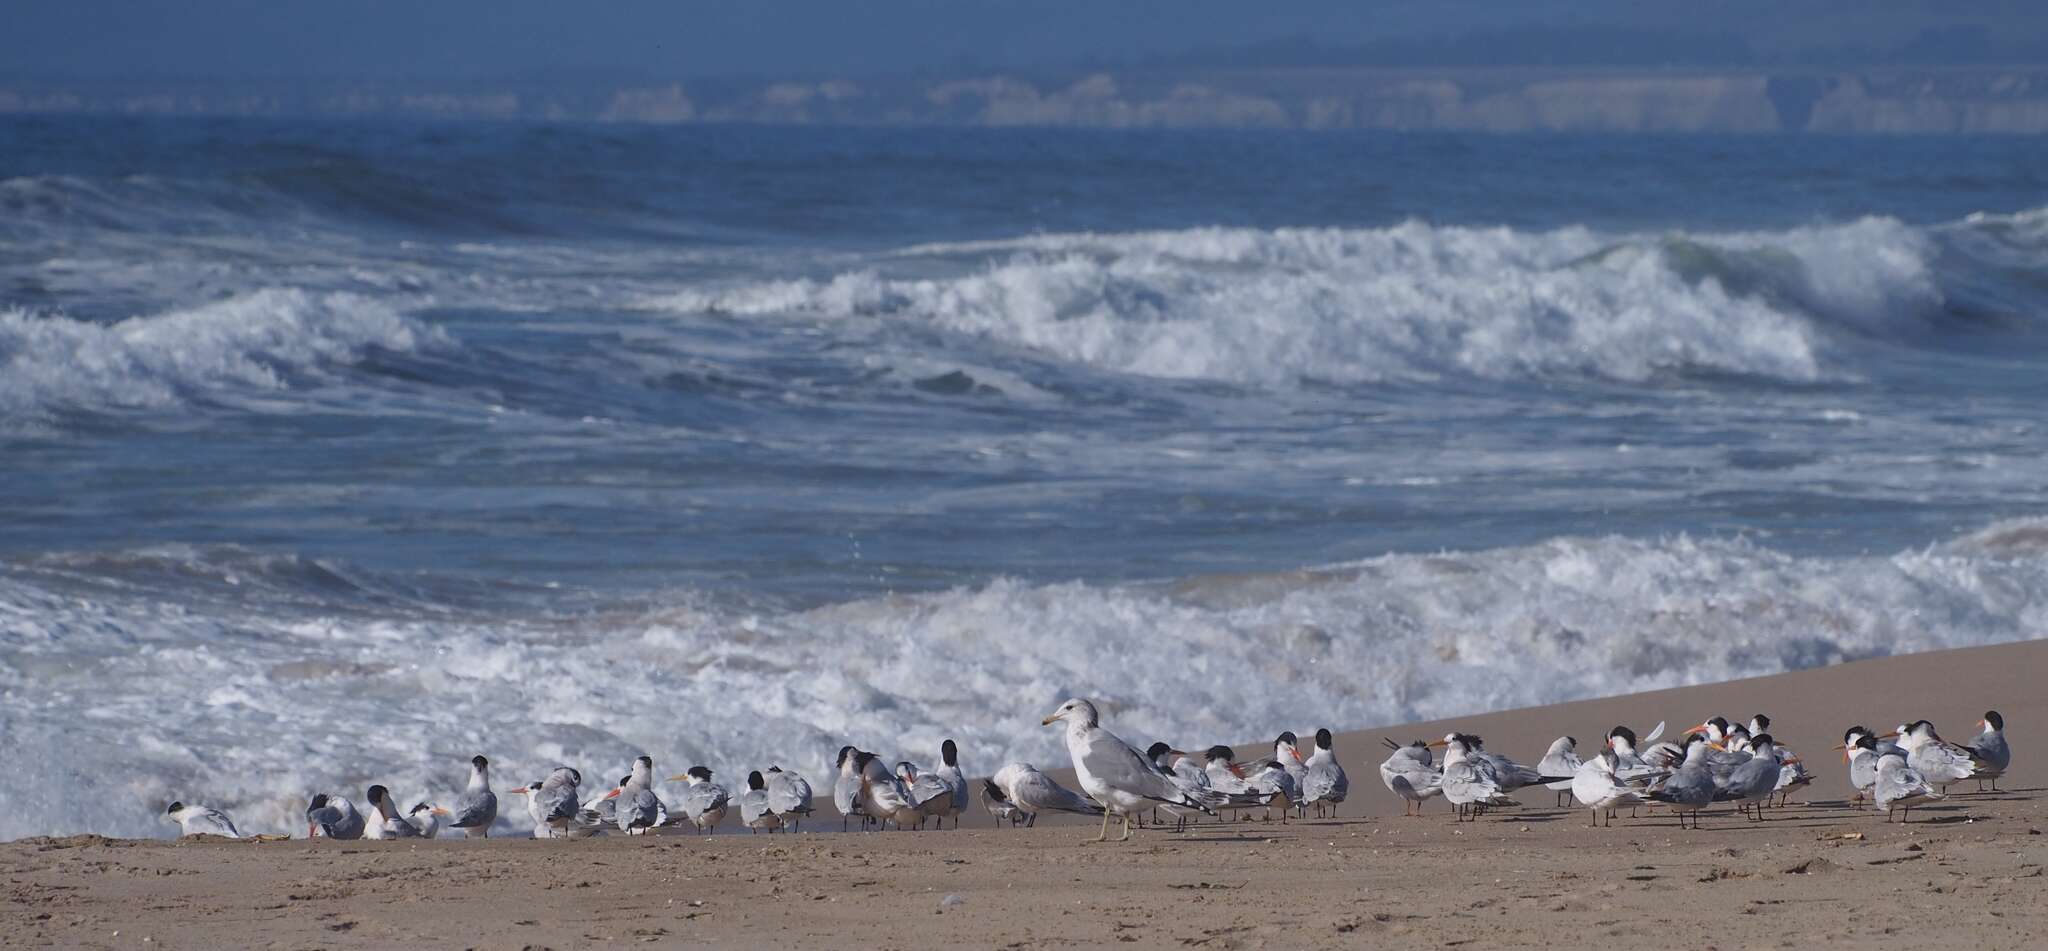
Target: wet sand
1967, 872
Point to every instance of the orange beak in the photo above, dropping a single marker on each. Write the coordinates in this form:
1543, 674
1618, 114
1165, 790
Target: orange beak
1437, 744
1789, 762
1845, 753
1893, 734
614, 794
1702, 728
1235, 770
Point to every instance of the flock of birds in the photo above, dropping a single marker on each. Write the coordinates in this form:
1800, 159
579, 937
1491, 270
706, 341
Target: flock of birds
1714, 762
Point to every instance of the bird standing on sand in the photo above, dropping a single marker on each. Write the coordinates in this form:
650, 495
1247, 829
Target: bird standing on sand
882, 795
703, 802
638, 809
1114, 774
1752, 783
949, 770
1899, 786
1596, 787
477, 807
1988, 751
333, 817
201, 820
1277, 785
789, 794
1323, 783
1468, 782
932, 796
1031, 792
384, 820
1562, 759
846, 789
1942, 763
1411, 773
755, 812
426, 817
552, 804
1690, 787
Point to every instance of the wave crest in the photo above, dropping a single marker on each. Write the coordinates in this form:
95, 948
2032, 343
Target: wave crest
1409, 302
267, 339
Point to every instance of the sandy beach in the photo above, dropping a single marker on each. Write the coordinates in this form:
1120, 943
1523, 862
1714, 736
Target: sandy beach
1967, 872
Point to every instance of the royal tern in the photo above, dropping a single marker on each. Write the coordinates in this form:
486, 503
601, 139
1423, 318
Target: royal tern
333, 817
1751, 784
1690, 787
426, 817
703, 802
949, 770
552, 804
884, 796
846, 789
1117, 776
1899, 786
999, 806
1940, 762
1411, 773
384, 822
1323, 783
1287, 752
477, 807
1597, 788
1166, 759
1467, 783
1275, 783
1031, 792
932, 795
637, 809
789, 794
755, 812
1562, 759
1989, 752
201, 820
603, 809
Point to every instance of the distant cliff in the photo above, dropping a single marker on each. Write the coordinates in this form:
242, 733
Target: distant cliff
1920, 100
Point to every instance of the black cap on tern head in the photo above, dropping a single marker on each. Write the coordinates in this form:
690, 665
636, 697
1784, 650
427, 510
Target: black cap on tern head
1287, 737
949, 753
1157, 750
700, 773
1866, 741
319, 801
1761, 739
754, 780
1623, 732
625, 779
175, 806
844, 752
1220, 752
376, 794
775, 769
479, 762
1323, 738
647, 761
1997, 722
1762, 722
1848, 735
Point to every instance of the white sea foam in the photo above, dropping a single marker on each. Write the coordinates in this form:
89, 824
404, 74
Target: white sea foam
125, 695
260, 340
1409, 302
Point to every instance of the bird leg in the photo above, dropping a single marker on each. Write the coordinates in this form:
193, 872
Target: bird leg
1104, 837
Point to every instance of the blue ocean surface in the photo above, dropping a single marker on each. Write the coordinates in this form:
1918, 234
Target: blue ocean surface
336, 453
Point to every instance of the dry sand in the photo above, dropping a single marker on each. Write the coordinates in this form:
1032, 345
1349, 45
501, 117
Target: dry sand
1966, 874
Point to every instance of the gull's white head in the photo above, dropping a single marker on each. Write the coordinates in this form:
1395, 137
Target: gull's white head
1076, 712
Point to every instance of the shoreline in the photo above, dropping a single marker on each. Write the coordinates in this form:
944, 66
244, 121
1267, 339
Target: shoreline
1969, 873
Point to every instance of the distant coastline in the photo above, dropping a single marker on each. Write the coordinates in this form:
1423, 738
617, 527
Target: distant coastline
1741, 100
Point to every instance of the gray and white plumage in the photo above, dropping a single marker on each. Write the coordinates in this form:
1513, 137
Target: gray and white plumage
846, 788
1287, 752
1939, 761
884, 796
602, 809
1561, 759
1597, 788
1274, 781
1114, 774
755, 811
553, 805
1754, 780
637, 809
1323, 782
477, 807
384, 822
1031, 792
201, 820
789, 795
1690, 787
426, 817
333, 817
932, 795
703, 802
1900, 786
950, 771
1989, 752
1411, 773
999, 806
1469, 781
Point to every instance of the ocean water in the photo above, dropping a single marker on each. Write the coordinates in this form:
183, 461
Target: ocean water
334, 454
